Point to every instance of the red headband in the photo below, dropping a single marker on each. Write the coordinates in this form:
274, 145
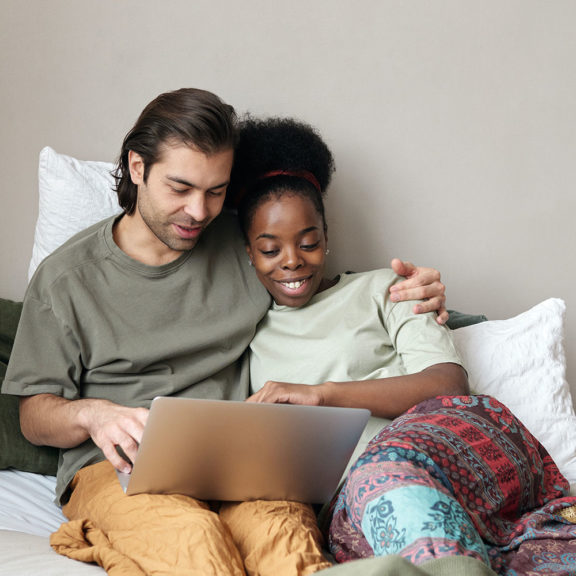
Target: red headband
304, 174
297, 174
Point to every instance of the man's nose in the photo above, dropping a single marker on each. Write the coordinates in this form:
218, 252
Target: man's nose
196, 206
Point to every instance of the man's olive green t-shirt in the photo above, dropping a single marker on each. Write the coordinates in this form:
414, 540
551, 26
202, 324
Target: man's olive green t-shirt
98, 324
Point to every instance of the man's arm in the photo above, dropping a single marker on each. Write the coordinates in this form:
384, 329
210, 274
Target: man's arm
420, 284
50, 420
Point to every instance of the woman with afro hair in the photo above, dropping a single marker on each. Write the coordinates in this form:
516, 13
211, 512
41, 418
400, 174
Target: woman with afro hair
325, 341
281, 174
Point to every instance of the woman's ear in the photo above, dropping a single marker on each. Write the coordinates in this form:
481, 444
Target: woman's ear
136, 166
249, 252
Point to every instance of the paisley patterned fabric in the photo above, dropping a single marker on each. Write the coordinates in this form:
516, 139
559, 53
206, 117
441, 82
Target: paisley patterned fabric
457, 475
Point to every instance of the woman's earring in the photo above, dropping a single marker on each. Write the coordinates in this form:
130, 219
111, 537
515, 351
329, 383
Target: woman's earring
250, 263
327, 251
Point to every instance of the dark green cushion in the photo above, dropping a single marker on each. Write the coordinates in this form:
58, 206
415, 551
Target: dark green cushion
15, 451
459, 319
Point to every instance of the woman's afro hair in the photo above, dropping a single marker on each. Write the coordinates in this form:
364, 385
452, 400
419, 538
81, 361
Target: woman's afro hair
271, 144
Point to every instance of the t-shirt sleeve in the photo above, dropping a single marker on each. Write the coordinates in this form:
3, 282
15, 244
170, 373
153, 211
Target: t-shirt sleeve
419, 340
45, 357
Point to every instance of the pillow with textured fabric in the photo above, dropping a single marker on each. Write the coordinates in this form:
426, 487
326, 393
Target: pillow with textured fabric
521, 362
73, 194
15, 451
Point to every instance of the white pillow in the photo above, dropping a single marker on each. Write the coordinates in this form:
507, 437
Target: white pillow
73, 195
521, 362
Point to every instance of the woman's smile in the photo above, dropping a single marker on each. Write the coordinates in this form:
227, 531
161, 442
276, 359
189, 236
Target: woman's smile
287, 245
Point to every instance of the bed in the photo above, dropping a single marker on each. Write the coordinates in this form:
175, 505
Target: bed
519, 360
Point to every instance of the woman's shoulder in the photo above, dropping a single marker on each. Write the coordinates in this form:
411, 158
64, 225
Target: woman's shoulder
377, 278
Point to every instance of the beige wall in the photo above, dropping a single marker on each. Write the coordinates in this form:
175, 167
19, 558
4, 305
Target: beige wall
452, 121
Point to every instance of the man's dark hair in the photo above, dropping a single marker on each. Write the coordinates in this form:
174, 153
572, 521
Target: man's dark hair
195, 118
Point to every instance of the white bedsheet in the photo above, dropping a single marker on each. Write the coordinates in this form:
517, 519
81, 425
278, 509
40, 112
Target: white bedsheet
29, 555
27, 517
27, 503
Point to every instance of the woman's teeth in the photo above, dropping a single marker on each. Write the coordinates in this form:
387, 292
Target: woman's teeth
294, 285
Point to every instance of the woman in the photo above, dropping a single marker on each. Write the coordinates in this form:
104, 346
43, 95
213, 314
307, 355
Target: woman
282, 170
342, 342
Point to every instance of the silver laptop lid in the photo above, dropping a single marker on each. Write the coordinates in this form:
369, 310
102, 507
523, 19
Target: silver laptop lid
226, 450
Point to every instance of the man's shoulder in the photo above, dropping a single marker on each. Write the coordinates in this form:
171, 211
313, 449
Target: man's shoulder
83, 247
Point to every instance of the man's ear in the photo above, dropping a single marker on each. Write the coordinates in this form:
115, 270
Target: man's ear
136, 166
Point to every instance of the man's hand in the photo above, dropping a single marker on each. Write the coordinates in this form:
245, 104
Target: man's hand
112, 426
285, 393
48, 420
420, 284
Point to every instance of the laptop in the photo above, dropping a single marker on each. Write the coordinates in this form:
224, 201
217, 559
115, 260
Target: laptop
236, 451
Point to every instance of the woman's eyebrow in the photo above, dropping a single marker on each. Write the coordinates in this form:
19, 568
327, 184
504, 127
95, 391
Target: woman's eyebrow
301, 233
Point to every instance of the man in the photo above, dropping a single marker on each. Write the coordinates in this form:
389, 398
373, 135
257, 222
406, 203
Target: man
157, 301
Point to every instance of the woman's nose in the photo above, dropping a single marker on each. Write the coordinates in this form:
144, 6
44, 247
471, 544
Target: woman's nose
292, 260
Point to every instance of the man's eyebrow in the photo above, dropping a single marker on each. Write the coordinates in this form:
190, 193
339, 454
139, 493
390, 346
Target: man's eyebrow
302, 232
178, 180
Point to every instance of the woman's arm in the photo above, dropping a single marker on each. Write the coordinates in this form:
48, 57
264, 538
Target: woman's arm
384, 397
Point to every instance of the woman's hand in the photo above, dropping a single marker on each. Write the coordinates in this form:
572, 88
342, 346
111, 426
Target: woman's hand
286, 393
420, 284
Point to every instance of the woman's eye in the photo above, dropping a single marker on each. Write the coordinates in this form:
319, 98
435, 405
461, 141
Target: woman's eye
269, 253
309, 247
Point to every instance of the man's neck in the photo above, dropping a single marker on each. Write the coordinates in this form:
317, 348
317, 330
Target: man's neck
136, 240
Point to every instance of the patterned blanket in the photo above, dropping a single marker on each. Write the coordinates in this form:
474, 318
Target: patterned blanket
457, 476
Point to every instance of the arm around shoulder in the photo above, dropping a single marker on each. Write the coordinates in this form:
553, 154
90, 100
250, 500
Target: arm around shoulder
420, 284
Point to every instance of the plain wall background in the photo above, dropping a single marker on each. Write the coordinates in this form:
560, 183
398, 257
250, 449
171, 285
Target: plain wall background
453, 122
